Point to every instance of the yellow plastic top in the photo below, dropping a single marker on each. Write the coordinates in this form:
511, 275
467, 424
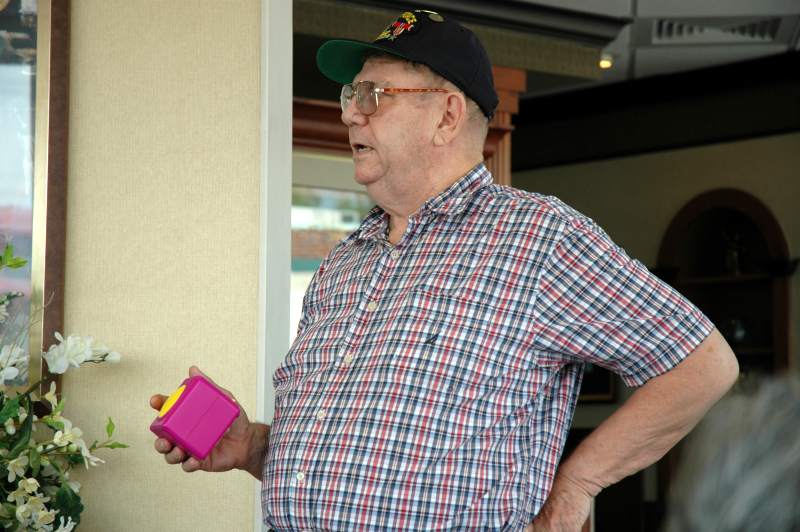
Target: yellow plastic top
170, 402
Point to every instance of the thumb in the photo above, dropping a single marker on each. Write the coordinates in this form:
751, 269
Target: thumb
194, 371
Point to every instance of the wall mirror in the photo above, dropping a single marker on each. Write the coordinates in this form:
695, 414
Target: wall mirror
34, 39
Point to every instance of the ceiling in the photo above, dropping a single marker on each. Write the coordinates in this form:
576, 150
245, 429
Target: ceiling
642, 38
679, 35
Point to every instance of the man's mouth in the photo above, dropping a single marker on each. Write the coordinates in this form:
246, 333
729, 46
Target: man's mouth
361, 148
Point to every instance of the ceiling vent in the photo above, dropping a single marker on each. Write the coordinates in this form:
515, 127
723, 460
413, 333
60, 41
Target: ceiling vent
719, 31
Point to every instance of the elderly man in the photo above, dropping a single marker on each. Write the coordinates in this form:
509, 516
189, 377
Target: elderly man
439, 356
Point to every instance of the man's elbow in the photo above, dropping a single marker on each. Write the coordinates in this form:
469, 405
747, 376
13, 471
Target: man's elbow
722, 361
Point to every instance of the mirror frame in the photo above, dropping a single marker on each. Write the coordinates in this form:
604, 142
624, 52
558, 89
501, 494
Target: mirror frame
50, 182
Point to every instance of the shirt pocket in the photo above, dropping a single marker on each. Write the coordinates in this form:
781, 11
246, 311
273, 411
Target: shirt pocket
463, 335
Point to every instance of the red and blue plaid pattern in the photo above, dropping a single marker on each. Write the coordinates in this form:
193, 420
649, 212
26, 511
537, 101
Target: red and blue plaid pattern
431, 384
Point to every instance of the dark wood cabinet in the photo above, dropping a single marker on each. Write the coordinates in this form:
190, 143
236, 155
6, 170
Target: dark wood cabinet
727, 253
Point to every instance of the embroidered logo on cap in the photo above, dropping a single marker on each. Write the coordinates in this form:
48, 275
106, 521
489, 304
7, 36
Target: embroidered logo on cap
404, 23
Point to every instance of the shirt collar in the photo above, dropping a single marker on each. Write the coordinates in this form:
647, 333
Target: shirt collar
451, 201
454, 199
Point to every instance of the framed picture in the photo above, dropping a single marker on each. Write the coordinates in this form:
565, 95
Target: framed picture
34, 37
599, 385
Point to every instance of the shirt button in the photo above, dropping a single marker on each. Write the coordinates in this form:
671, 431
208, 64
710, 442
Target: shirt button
348, 359
371, 306
321, 415
300, 476
395, 255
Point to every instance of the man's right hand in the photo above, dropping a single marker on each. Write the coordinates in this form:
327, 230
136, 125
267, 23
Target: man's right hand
243, 446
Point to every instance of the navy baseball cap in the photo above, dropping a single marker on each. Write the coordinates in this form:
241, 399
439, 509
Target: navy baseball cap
440, 43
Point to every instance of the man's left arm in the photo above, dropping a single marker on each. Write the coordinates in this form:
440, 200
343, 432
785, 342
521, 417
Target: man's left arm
639, 433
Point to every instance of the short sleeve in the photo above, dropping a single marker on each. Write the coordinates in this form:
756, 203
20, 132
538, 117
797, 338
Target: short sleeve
595, 304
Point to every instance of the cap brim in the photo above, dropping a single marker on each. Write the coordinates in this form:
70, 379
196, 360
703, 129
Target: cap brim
341, 59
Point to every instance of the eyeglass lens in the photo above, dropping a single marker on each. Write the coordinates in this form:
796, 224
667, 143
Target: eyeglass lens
366, 97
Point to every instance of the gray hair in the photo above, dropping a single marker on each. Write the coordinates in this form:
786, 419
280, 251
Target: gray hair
475, 117
741, 470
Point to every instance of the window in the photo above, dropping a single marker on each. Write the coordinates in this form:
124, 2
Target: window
327, 206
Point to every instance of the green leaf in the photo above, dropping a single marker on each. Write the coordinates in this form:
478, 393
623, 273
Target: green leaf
59, 407
8, 254
110, 427
117, 445
10, 409
16, 262
35, 461
8, 260
55, 425
68, 503
23, 434
9, 523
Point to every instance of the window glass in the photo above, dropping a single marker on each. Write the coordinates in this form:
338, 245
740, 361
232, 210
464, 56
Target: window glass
321, 217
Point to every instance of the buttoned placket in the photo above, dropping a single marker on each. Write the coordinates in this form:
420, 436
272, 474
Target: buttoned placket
390, 257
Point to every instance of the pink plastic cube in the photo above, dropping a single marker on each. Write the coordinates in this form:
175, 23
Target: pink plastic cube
195, 416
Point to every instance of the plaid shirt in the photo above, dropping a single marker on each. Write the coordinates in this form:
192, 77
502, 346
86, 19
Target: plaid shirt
432, 383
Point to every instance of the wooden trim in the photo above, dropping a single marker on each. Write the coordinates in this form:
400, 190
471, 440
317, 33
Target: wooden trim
317, 124
58, 137
728, 198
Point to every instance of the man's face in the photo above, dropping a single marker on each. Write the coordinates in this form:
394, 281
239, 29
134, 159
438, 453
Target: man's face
391, 146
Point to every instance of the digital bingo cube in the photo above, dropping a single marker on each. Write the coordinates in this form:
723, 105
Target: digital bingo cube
195, 416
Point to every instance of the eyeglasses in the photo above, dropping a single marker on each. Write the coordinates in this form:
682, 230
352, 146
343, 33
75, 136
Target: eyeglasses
366, 94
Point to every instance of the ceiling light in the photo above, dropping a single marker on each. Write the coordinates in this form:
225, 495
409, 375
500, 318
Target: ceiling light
606, 61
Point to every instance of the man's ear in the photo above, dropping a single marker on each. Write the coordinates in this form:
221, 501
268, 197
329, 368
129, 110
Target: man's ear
454, 116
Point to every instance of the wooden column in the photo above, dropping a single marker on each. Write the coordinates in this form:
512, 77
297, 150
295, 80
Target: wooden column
509, 83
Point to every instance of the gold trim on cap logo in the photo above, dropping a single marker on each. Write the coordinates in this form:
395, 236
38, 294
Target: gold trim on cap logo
404, 23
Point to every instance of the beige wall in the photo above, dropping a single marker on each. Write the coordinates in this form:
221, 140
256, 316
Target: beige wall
162, 245
635, 198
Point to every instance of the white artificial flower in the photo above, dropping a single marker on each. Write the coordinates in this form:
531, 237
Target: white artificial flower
23, 513
65, 527
88, 457
8, 374
63, 438
17, 467
30, 485
12, 362
37, 502
74, 485
11, 355
44, 518
51, 395
17, 496
22, 414
9, 426
102, 353
72, 351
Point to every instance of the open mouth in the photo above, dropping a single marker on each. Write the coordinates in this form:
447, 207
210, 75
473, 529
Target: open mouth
361, 148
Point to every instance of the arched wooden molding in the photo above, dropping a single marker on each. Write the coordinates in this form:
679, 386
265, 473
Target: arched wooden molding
316, 124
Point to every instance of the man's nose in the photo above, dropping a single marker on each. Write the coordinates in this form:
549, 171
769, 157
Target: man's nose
352, 116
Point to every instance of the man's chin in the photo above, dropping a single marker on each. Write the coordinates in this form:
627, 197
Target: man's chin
365, 178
